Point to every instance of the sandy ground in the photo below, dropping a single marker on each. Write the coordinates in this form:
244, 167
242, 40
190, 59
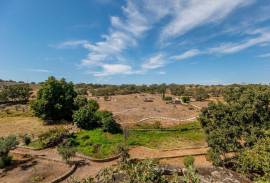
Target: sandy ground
24, 125
36, 170
143, 152
89, 168
132, 108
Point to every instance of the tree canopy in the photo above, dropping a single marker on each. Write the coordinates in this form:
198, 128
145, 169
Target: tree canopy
55, 100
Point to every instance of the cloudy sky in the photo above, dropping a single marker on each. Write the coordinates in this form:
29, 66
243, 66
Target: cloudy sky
136, 41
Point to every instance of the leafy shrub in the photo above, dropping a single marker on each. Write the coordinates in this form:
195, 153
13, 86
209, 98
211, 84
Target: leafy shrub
107, 122
188, 161
190, 175
86, 118
26, 139
55, 100
200, 94
5, 161
185, 99
110, 125
80, 101
255, 161
167, 98
53, 137
93, 105
6, 144
66, 152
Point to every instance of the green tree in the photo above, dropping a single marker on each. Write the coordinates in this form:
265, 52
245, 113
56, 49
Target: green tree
236, 124
55, 100
80, 101
86, 118
200, 94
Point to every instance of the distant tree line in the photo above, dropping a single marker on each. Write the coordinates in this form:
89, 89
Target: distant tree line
15, 93
198, 92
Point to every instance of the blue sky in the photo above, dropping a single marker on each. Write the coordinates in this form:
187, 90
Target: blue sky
136, 41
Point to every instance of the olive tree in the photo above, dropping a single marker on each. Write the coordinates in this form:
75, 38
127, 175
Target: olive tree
55, 100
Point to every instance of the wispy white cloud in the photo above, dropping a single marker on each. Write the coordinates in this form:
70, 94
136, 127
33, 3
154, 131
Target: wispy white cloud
139, 17
262, 36
70, 44
38, 70
266, 55
187, 54
112, 69
154, 62
194, 13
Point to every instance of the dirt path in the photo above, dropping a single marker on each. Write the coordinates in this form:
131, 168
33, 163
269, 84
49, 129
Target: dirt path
90, 168
144, 152
86, 169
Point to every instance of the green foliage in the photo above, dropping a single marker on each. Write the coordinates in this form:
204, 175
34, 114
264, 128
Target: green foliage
177, 90
66, 152
15, 93
80, 101
167, 98
200, 94
81, 91
97, 143
136, 172
238, 125
6, 144
93, 105
5, 161
188, 161
108, 123
190, 175
55, 100
26, 139
185, 99
255, 161
86, 118
53, 137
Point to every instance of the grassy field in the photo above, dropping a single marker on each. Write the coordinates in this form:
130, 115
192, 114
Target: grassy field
98, 144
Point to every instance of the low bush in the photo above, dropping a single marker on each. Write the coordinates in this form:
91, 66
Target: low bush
167, 98
66, 152
185, 99
53, 137
188, 161
6, 144
26, 139
86, 118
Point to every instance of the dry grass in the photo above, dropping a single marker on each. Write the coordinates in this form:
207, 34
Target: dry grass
23, 125
131, 108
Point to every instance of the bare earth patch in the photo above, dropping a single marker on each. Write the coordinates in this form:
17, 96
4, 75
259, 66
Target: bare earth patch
132, 108
34, 171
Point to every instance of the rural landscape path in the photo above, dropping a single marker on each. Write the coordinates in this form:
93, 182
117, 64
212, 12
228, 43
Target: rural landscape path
90, 168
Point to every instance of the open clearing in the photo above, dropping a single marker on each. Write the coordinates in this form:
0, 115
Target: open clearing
24, 125
132, 108
35, 170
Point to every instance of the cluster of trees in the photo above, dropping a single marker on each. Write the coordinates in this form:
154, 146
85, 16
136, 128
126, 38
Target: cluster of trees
57, 100
241, 125
15, 93
199, 92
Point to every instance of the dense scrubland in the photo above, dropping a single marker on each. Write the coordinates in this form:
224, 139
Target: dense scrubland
235, 125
